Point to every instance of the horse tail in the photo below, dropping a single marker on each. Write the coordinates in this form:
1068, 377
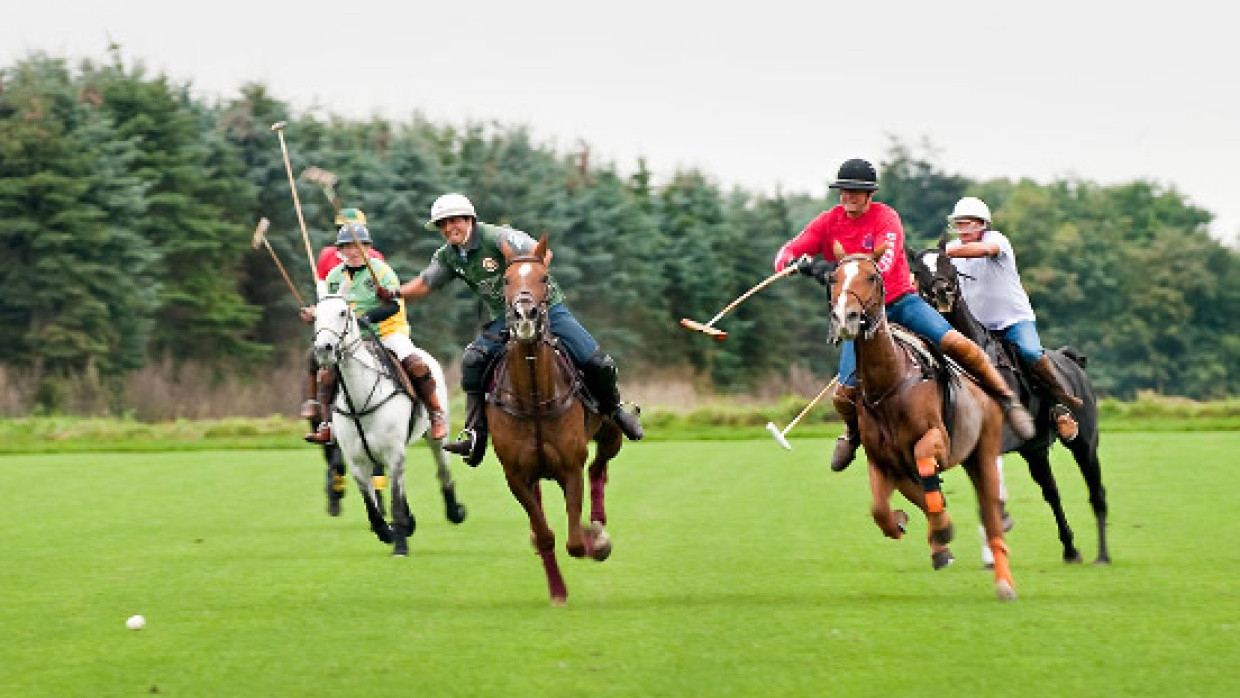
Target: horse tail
1077, 356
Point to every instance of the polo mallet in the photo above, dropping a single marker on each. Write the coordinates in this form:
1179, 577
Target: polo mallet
319, 286
325, 181
780, 435
710, 330
260, 238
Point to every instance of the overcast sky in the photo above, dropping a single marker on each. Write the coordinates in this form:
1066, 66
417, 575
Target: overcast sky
759, 94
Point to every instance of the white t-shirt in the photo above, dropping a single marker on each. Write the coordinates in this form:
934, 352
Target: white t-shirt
994, 292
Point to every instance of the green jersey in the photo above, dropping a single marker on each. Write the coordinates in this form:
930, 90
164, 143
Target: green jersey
481, 263
361, 295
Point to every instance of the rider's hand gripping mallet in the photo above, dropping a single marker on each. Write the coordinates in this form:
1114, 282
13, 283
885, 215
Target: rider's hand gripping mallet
708, 327
319, 286
260, 238
780, 435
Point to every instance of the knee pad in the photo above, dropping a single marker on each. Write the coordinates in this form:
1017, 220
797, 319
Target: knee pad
474, 363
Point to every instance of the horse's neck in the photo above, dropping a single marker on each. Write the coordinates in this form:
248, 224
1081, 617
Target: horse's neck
880, 363
362, 369
962, 319
533, 372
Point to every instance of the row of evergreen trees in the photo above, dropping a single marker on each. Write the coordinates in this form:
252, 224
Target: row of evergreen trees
127, 209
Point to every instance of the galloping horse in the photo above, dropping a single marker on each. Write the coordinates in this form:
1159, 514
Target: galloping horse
912, 425
939, 283
373, 416
540, 427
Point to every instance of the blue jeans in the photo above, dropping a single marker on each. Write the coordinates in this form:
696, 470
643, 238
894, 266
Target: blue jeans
909, 311
1024, 335
576, 340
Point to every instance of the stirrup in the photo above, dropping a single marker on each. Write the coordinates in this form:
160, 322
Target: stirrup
438, 425
322, 435
463, 445
630, 424
1065, 425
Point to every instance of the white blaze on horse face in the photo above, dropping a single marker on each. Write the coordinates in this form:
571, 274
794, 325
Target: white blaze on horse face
932, 261
840, 311
525, 269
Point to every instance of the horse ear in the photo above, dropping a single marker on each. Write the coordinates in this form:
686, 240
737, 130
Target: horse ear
838, 250
541, 250
878, 252
942, 243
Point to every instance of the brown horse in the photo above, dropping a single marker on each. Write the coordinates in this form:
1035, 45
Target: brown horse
904, 422
541, 429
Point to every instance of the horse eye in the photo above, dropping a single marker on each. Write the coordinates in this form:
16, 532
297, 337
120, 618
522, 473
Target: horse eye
544, 279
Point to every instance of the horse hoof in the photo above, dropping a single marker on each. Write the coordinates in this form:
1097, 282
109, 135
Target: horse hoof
1004, 591
942, 559
457, 513
1073, 558
333, 507
401, 549
1103, 560
384, 535
559, 600
602, 544
901, 520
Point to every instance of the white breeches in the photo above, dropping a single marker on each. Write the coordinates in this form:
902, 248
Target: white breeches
400, 344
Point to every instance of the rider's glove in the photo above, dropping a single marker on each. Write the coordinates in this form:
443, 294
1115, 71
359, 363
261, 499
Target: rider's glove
386, 294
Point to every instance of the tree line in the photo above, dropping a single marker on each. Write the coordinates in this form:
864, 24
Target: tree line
128, 207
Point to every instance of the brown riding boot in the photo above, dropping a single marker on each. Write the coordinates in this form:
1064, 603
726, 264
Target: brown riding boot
424, 385
327, 393
973, 359
845, 400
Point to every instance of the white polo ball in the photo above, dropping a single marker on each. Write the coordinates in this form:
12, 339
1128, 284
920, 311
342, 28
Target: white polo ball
135, 623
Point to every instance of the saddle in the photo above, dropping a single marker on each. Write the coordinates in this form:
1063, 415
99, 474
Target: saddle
494, 376
935, 366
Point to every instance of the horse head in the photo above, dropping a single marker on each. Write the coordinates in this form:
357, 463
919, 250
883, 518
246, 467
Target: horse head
936, 279
857, 294
334, 329
526, 287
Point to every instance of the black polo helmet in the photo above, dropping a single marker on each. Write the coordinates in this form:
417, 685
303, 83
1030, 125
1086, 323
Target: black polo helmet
856, 174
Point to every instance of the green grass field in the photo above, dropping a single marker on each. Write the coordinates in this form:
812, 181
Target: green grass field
739, 569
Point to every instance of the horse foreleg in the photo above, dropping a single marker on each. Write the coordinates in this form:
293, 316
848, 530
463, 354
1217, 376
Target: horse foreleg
930, 453
891, 523
1086, 454
529, 494
1040, 469
366, 486
403, 523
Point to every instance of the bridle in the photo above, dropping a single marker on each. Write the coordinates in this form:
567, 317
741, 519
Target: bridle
526, 314
872, 310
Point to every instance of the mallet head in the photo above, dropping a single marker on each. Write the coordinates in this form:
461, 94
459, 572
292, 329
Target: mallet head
279, 125
260, 232
779, 435
704, 329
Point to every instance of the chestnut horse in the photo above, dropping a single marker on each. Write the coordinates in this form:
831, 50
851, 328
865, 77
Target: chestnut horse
939, 283
541, 429
903, 421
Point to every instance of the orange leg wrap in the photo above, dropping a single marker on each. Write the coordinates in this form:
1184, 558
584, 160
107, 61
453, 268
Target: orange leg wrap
926, 467
1000, 550
935, 503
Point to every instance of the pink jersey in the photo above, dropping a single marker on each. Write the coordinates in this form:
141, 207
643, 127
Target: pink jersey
862, 235
329, 258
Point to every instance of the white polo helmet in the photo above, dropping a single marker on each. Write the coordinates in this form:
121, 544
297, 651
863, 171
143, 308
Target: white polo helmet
970, 207
447, 206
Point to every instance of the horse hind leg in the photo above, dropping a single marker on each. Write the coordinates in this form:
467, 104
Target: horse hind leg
454, 510
378, 523
983, 472
891, 523
1040, 470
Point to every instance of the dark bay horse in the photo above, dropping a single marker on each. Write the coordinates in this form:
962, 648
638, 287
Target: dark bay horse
939, 283
541, 429
910, 429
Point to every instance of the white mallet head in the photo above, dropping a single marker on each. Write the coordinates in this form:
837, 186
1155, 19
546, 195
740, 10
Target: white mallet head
779, 435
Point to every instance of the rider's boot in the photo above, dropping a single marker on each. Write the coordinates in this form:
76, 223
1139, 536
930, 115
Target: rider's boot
424, 385
472, 443
310, 405
973, 359
1065, 423
327, 393
845, 400
600, 375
